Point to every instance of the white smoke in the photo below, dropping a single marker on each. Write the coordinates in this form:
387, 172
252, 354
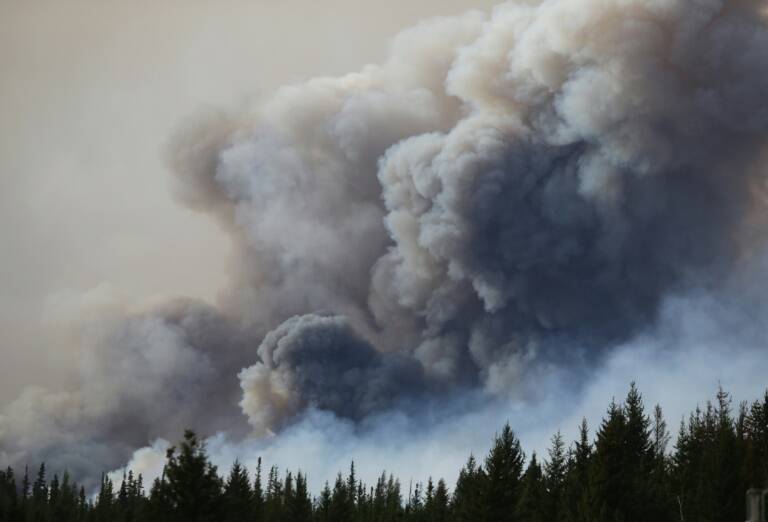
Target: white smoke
699, 344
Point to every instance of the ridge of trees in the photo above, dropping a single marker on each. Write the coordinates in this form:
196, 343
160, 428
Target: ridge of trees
626, 473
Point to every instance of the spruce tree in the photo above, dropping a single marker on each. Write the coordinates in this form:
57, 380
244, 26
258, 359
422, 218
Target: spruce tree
258, 495
662, 503
323, 505
638, 459
300, 507
10, 510
756, 444
607, 482
273, 500
342, 508
467, 503
440, 509
193, 487
531, 506
555, 469
503, 471
65, 509
238, 496
104, 510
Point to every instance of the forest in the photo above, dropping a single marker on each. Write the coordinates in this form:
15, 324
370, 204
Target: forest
629, 471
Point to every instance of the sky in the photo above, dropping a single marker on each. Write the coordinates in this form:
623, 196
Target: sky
313, 230
91, 92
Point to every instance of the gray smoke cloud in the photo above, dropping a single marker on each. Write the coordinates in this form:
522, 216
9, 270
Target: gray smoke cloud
502, 197
321, 361
141, 375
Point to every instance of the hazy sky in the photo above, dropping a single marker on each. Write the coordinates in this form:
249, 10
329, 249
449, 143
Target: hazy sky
90, 92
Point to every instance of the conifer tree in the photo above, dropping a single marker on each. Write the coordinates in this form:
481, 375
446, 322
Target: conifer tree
662, 504
258, 495
608, 490
725, 472
40, 487
467, 503
352, 485
555, 469
429, 495
531, 506
342, 503
756, 444
238, 496
300, 506
82, 505
65, 509
440, 509
10, 510
25, 489
323, 505
273, 500
53, 492
379, 498
503, 471
193, 487
104, 510
160, 507
638, 459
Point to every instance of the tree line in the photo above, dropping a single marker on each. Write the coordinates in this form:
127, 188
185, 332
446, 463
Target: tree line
625, 473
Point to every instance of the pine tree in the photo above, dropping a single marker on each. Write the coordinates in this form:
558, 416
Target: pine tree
531, 506
323, 505
65, 509
503, 471
342, 507
756, 444
104, 510
429, 499
82, 505
577, 490
9, 501
273, 500
608, 490
160, 507
639, 460
467, 503
379, 498
193, 487
662, 504
726, 476
40, 487
300, 506
555, 469
393, 500
53, 493
440, 511
38, 511
238, 496
258, 495
25, 490
352, 485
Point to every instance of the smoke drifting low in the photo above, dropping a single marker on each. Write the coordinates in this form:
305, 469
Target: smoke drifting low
505, 197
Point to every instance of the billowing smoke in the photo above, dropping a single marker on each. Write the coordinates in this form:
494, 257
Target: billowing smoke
322, 362
141, 375
503, 197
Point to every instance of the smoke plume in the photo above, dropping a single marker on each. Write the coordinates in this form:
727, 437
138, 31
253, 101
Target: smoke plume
504, 197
